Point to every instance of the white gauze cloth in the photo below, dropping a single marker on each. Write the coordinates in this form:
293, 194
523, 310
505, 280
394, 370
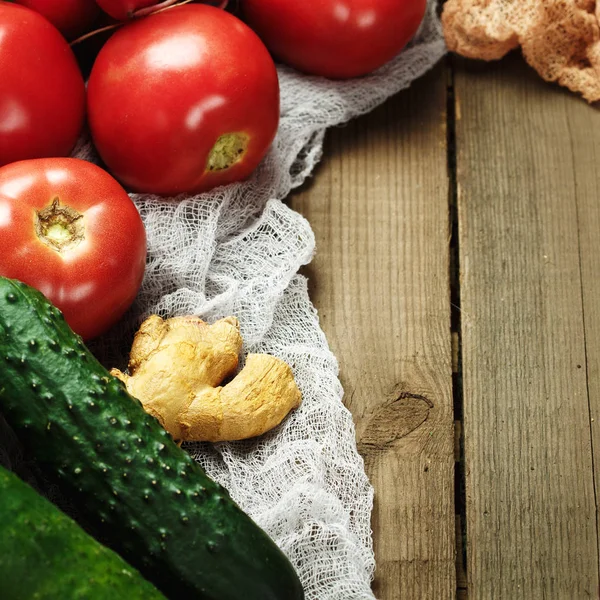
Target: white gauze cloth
237, 251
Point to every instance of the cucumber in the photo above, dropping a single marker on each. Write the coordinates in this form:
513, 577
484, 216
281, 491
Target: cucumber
45, 555
138, 491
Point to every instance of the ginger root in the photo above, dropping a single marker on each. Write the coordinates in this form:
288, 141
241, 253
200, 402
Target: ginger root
176, 366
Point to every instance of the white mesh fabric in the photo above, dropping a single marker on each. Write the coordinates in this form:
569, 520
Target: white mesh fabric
237, 251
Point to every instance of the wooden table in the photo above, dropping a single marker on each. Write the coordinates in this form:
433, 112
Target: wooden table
457, 278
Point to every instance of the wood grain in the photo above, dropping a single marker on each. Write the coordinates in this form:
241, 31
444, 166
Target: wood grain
531, 511
379, 209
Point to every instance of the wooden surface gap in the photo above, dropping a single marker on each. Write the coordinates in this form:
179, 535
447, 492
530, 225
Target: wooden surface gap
455, 327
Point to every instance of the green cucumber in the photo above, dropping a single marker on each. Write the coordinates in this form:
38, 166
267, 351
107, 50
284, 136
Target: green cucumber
45, 555
142, 495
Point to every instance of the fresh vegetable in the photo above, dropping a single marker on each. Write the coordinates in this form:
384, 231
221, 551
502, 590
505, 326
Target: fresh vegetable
183, 100
333, 38
176, 367
70, 230
141, 493
71, 17
42, 103
45, 555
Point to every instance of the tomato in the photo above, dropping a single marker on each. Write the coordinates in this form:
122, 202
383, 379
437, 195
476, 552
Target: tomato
124, 9
42, 94
70, 230
183, 100
335, 38
71, 17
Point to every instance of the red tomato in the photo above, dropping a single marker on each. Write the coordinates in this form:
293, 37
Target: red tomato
42, 94
335, 38
183, 101
70, 230
71, 17
124, 9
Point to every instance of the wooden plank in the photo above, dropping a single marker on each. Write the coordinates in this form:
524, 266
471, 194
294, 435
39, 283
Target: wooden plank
531, 512
379, 208
583, 122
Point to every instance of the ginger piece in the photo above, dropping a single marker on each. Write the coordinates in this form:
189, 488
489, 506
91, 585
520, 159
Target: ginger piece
176, 366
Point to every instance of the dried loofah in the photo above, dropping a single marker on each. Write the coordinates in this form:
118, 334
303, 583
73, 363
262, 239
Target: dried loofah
560, 39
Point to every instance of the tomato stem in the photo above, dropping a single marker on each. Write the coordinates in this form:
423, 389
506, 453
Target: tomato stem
59, 227
228, 150
144, 12
95, 32
149, 10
